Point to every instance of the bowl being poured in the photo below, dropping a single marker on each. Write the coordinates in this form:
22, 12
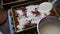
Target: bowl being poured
49, 25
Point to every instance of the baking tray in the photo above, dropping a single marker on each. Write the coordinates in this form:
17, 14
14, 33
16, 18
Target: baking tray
25, 4
19, 6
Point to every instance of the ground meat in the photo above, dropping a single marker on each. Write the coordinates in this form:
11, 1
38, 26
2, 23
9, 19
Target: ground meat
36, 12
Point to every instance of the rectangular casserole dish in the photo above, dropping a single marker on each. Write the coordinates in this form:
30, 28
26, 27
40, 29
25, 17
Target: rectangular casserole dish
26, 4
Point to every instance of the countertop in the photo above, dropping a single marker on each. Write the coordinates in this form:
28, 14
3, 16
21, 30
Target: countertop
6, 30
5, 27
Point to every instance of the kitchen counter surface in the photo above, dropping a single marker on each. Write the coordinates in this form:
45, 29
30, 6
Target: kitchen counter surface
5, 27
6, 30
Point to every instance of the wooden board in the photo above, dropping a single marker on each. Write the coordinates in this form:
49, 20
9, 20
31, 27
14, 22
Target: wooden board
3, 16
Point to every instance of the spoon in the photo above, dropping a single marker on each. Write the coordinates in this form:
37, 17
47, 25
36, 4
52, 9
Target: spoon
46, 6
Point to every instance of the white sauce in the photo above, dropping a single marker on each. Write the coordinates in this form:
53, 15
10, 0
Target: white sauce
19, 12
31, 7
23, 20
52, 30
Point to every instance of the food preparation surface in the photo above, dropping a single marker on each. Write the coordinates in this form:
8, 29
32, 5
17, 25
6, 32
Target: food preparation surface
4, 28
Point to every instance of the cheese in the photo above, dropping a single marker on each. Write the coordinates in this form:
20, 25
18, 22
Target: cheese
19, 12
37, 19
31, 7
22, 22
30, 17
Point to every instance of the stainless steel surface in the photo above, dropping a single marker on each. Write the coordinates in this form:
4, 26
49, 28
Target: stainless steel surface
4, 28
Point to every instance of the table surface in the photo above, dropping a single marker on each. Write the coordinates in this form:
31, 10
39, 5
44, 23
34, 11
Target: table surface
5, 27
